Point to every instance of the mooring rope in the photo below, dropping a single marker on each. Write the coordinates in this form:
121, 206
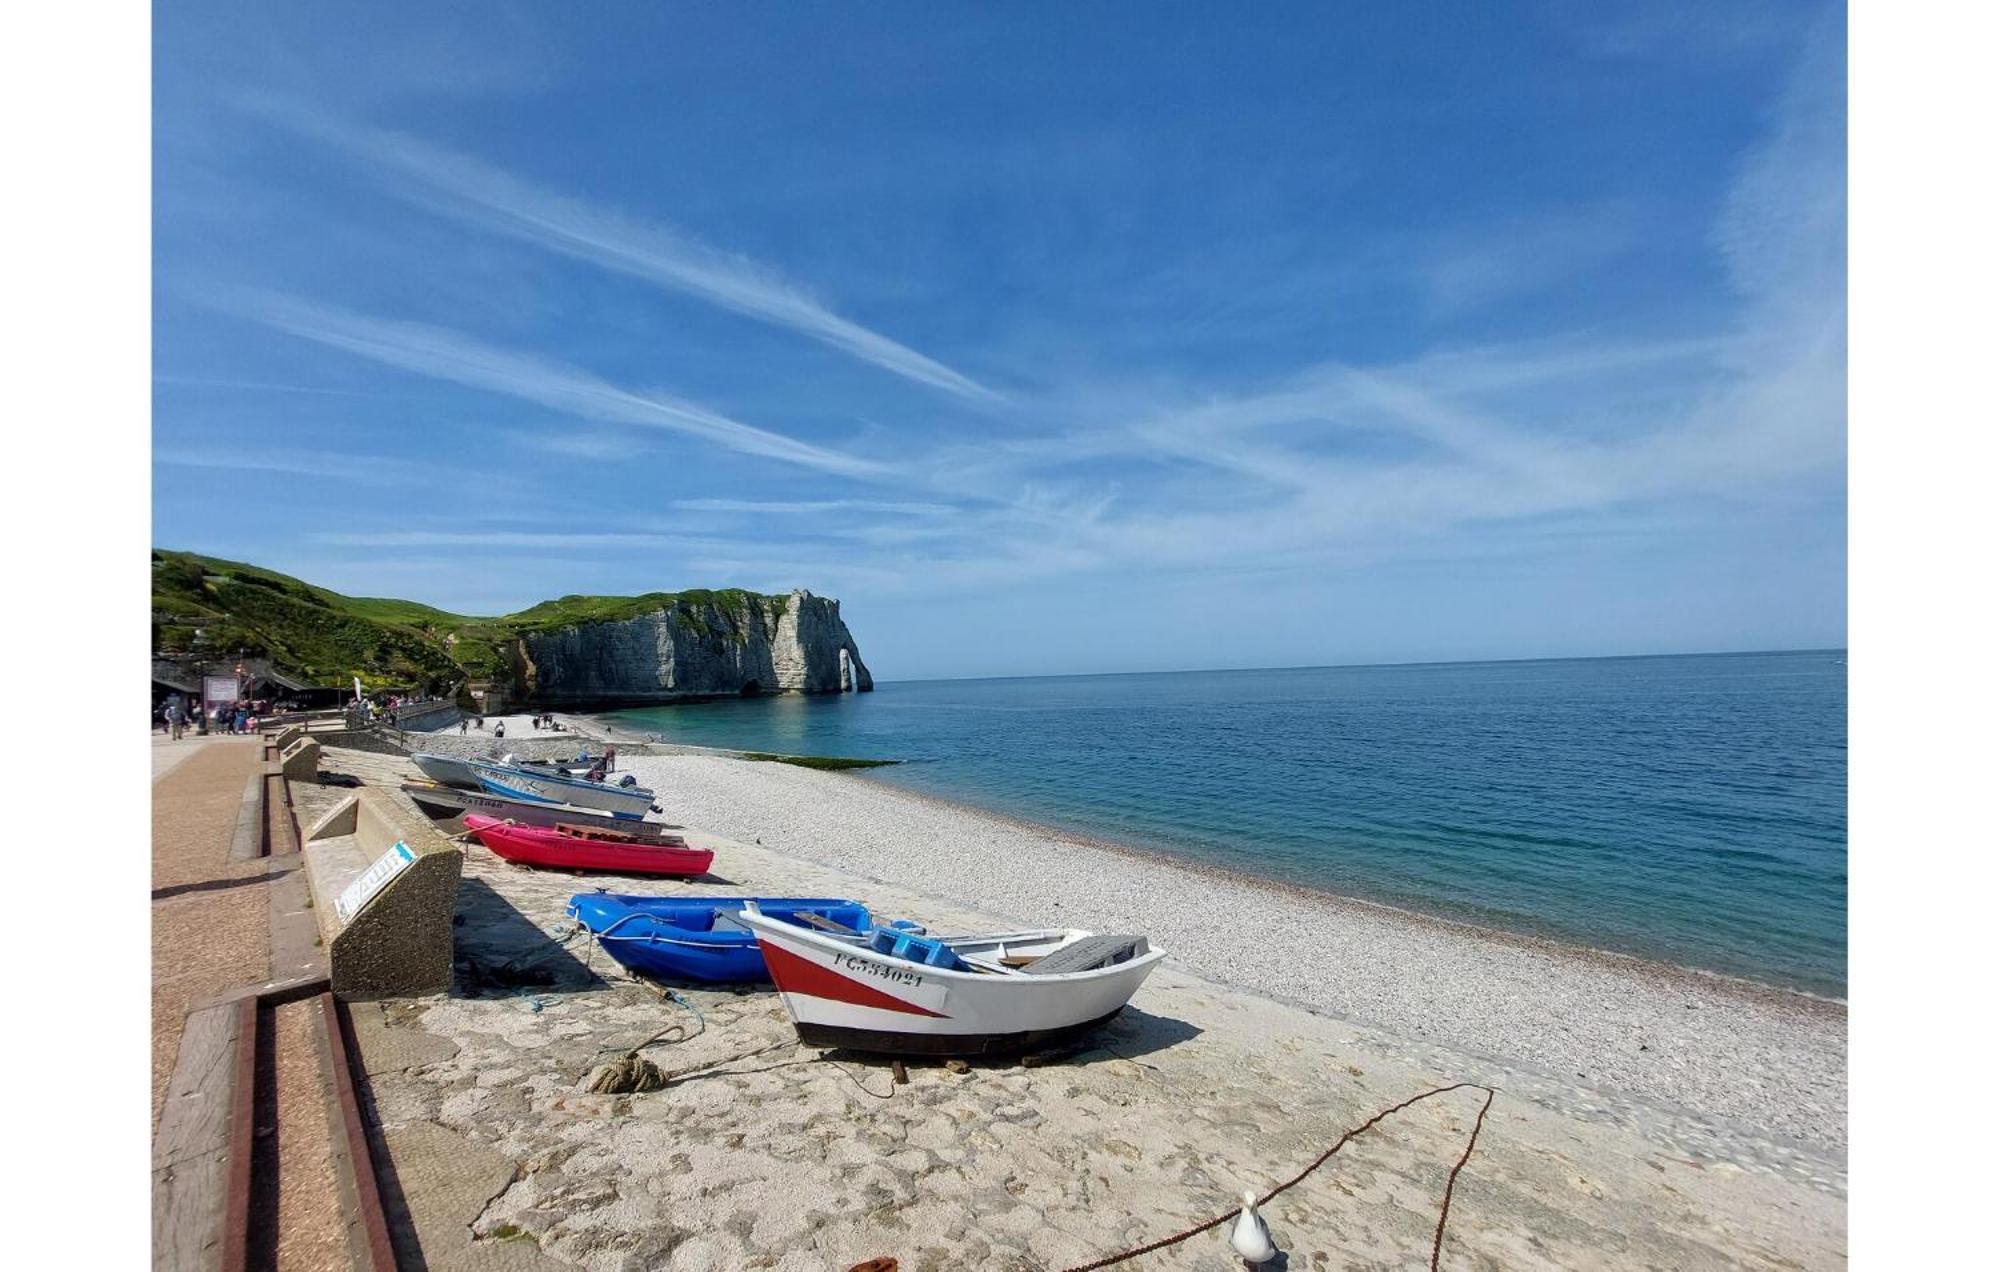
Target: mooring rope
1444, 1209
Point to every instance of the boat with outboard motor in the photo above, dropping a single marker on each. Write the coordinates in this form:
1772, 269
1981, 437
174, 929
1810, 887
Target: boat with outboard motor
912, 994
625, 799
455, 770
704, 938
446, 770
572, 847
449, 801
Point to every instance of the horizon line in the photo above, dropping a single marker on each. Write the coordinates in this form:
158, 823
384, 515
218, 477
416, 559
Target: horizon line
1367, 666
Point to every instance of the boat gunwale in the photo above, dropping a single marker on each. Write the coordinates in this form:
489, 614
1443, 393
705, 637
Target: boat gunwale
565, 779
608, 839
1152, 955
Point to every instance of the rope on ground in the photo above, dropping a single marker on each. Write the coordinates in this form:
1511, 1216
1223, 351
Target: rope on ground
1451, 1180
890, 1094
713, 1069
632, 1072
678, 1027
1444, 1208
467, 834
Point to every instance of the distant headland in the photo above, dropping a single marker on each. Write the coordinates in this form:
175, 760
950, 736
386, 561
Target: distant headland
596, 652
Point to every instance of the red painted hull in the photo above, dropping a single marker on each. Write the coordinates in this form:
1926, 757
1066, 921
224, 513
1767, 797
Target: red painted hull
564, 848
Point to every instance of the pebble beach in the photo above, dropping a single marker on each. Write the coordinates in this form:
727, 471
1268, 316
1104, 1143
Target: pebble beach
1764, 1066
1643, 1116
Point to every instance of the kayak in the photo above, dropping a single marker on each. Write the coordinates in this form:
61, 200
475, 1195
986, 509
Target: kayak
572, 847
704, 938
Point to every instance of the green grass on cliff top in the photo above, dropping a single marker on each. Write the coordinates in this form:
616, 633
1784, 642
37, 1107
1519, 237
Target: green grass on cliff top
203, 603
570, 610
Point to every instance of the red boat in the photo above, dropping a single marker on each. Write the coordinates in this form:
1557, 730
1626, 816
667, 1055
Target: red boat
588, 848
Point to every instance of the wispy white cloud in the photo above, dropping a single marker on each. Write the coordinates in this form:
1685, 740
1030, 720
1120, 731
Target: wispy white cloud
506, 539
335, 465
574, 445
479, 194
257, 386
450, 355
1467, 269
1473, 452
805, 506
1342, 459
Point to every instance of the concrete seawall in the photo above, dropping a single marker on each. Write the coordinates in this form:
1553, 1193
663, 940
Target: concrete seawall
427, 717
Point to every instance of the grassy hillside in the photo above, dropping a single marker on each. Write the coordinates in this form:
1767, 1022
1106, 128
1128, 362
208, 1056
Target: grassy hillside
206, 605
202, 604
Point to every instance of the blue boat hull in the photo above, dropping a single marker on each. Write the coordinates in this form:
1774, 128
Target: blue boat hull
677, 939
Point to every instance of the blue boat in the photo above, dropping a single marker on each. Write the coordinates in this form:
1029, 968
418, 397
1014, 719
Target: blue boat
703, 938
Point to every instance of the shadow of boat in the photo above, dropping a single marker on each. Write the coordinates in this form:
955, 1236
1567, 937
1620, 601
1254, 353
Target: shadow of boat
1131, 1035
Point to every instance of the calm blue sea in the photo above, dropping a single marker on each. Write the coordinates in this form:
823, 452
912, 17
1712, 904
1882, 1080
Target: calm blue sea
1691, 809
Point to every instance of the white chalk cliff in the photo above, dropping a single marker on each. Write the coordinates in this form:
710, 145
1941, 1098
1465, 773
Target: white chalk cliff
716, 644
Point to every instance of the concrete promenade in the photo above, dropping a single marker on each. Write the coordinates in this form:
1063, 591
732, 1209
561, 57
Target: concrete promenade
211, 919
215, 925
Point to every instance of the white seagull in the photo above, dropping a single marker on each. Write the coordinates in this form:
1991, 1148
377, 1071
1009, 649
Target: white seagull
1251, 1237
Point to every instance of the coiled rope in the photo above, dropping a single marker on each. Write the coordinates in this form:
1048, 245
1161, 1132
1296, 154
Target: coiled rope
1444, 1208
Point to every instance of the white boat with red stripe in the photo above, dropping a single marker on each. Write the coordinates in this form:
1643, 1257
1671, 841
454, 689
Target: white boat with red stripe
903, 993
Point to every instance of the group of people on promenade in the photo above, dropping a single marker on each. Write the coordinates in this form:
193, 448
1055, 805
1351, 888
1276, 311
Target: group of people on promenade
179, 715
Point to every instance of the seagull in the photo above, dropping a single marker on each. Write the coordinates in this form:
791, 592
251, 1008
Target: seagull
1251, 1237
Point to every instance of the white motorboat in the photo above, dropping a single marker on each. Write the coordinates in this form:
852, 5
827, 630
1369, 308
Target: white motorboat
447, 769
545, 786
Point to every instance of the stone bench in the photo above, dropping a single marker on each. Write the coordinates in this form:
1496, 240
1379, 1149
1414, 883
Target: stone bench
398, 940
299, 761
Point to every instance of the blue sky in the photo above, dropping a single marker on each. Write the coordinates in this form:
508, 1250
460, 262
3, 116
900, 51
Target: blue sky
1050, 338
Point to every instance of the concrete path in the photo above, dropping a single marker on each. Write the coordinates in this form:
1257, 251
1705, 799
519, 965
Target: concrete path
211, 920
168, 754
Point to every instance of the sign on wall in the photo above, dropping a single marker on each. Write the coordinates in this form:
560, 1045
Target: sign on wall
376, 877
216, 689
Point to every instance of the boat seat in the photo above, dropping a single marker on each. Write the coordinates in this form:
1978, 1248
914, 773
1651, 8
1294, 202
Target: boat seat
917, 949
1088, 954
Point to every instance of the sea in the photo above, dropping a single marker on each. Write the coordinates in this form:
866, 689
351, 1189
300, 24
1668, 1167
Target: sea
1688, 809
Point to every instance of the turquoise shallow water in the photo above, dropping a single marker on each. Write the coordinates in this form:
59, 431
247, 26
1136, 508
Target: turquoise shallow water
1691, 809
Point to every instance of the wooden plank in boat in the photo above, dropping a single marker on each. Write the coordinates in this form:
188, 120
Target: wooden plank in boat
823, 923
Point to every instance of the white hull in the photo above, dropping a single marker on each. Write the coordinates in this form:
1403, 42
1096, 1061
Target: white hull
842, 993
448, 769
553, 788
527, 814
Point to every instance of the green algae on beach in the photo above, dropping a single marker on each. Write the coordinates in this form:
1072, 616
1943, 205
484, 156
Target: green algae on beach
826, 762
